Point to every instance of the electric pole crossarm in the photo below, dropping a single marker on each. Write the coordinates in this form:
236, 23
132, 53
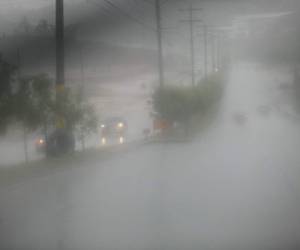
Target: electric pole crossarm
160, 65
205, 52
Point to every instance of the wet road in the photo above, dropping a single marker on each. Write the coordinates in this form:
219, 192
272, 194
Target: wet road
234, 187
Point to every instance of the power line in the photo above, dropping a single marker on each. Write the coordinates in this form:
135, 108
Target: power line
60, 63
127, 15
137, 8
151, 2
13, 3
205, 51
21, 1
104, 8
159, 42
191, 22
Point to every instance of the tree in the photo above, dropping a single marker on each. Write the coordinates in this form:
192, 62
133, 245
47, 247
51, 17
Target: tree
43, 27
24, 26
7, 80
175, 103
181, 103
33, 105
25, 111
80, 117
43, 100
31, 101
87, 124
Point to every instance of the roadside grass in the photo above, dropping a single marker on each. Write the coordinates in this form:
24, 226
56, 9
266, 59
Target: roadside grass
14, 174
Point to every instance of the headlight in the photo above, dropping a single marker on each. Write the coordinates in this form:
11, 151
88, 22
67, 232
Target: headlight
121, 140
103, 141
102, 126
40, 141
120, 125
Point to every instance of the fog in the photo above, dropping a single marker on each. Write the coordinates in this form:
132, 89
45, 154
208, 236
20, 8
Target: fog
201, 156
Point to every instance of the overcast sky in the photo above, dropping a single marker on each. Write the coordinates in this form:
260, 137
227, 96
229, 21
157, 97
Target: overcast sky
29, 4
112, 24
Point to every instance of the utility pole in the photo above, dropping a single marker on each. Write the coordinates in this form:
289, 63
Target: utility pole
213, 52
215, 37
219, 51
159, 43
82, 73
60, 122
192, 43
205, 51
191, 22
216, 49
60, 61
82, 90
25, 146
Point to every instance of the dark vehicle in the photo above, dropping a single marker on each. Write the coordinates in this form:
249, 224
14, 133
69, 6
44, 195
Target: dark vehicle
113, 130
59, 142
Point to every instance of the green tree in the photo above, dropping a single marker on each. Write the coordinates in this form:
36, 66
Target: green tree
88, 123
43, 27
43, 99
7, 80
181, 103
24, 26
25, 111
35, 106
174, 103
79, 116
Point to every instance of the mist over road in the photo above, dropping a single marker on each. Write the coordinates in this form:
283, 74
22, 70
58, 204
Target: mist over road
233, 187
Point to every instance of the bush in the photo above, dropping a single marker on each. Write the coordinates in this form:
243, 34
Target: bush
180, 103
209, 91
7, 81
78, 115
37, 107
